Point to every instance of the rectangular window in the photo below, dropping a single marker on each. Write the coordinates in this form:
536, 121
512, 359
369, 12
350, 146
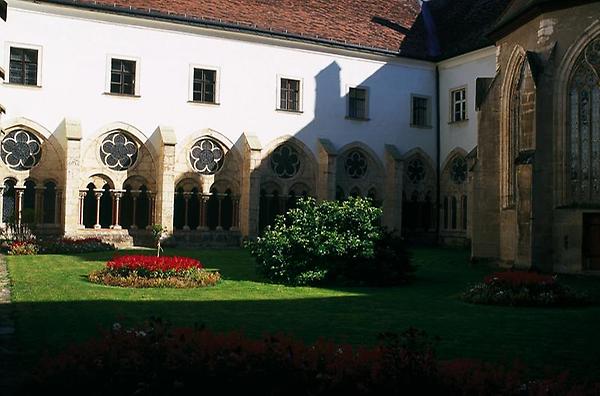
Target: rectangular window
357, 103
23, 68
459, 105
122, 76
289, 95
204, 86
420, 111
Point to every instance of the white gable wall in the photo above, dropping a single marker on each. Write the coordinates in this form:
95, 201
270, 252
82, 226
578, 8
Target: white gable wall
74, 71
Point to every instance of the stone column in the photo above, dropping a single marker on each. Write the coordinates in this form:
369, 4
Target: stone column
134, 197
69, 136
19, 203
326, 180
250, 192
2, 206
203, 226
219, 221
98, 195
151, 209
117, 195
57, 206
164, 141
82, 194
186, 197
235, 216
392, 196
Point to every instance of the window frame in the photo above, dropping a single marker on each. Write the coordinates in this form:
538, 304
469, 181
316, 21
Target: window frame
427, 124
38, 48
453, 104
278, 107
136, 79
366, 102
217, 93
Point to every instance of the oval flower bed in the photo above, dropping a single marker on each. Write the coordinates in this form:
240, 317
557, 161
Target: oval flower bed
523, 289
152, 271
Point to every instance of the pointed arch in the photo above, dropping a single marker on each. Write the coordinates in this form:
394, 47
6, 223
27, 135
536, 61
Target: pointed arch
140, 136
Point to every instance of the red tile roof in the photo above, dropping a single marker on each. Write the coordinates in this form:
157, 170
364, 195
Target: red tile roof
391, 26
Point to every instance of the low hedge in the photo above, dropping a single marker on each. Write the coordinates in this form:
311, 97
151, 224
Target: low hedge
520, 288
157, 360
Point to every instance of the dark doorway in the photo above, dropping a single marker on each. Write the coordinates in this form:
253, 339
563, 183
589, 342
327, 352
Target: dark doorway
591, 241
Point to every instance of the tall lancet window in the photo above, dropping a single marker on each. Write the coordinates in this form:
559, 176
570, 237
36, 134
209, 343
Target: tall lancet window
513, 135
584, 126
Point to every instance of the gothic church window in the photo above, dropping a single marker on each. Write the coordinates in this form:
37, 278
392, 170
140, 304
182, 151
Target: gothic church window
584, 126
356, 164
459, 170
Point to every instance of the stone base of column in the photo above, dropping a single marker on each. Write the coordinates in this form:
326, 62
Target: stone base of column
97, 226
219, 228
234, 229
186, 228
133, 227
116, 227
202, 228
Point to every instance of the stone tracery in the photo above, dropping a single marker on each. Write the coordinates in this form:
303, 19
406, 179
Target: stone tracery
21, 150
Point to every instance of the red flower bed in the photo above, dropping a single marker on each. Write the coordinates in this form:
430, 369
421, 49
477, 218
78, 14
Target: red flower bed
519, 278
142, 263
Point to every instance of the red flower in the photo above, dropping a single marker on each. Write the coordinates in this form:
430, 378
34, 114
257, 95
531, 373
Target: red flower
519, 278
153, 263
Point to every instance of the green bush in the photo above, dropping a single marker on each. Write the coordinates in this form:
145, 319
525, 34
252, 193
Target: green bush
331, 241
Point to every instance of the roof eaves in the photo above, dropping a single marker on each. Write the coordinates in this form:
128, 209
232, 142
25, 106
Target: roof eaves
228, 26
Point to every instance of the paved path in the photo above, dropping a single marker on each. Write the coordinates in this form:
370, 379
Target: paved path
8, 354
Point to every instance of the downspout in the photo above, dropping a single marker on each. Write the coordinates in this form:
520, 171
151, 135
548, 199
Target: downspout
437, 152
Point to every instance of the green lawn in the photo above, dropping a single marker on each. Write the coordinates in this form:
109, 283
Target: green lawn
55, 304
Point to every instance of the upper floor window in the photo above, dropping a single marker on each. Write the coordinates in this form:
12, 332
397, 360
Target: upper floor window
24, 66
420, 112
123, 76
289, 94
459, 104
357, 103
204, 85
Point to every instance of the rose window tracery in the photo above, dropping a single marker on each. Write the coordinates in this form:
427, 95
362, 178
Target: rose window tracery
206, 156
285, 161
415, 171
118, 151
21, 150
356, 165
458, 172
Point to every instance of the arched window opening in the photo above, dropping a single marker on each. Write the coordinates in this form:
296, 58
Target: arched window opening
9, 201
464, 212
355, 192
89, 207
446, 213
106, 207
179, 209
28, 211
49, 206
454, 212
194, 209
127, 208
227, 210
143, 215
212, 207
340, 195
270, 206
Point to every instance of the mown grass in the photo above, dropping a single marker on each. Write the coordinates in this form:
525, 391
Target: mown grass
56, 305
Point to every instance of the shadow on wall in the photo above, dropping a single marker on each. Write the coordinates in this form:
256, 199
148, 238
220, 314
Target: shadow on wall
307, 163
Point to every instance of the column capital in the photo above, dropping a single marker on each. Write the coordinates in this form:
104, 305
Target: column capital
117, 194
98, 194
83, 193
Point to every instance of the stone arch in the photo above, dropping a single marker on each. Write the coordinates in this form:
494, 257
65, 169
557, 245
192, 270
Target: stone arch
453, 194
276, 202
145, 164
418, 196
373, 176
99, 180
229, 172
562, 82
51, 162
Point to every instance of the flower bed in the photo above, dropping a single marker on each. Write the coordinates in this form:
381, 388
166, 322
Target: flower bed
22, 248
522, 289
156, 360
152, 271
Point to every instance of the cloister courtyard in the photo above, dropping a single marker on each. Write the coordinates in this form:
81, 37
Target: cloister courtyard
55, 305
